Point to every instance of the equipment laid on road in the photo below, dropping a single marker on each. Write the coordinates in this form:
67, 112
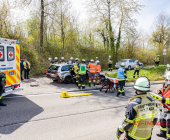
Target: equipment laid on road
10, 64
110, 83
66, 95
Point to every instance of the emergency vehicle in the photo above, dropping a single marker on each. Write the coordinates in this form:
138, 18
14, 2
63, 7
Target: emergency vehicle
10, 64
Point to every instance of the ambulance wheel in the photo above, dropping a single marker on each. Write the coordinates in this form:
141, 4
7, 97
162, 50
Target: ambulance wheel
67, 79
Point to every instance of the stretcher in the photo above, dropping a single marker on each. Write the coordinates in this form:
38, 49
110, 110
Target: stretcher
109, 83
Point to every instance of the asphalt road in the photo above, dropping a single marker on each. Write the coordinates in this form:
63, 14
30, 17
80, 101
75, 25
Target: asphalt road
38, 113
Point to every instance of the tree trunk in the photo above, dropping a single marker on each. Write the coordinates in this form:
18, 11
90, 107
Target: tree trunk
42, 24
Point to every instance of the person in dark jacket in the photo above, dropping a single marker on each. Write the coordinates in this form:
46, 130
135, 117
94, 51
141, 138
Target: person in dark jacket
21, 68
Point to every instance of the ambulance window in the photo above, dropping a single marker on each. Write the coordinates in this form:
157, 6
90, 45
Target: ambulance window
10, 53
2, 53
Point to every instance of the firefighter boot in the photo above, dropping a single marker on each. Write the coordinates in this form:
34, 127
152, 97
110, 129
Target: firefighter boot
89, 84
79, 87
83, 87
94, 84
161, 135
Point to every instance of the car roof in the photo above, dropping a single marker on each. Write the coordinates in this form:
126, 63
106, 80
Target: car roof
63, 64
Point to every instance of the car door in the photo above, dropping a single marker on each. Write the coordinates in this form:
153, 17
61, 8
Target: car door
133, 63
65, 70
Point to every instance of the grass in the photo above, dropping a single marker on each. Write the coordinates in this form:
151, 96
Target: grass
153, 74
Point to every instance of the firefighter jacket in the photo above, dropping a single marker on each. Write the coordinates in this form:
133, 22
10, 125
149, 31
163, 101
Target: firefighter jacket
75, 67
121, 74
165, 92
157, 59
140, 117
98, 68
56, 62
92, 67
62, 61
82, 69
26, 65
110, 61
137, 67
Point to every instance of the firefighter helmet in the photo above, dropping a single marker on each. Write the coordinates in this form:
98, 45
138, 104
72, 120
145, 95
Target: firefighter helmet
97, 61
83, 60
49, 58
71, 58
96, 57
92, 60
122, 64
168, 65
76, 59
55, 57
62, 57
142, 84
136, 61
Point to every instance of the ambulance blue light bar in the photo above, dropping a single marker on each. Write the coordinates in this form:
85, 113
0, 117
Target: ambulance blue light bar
7, 41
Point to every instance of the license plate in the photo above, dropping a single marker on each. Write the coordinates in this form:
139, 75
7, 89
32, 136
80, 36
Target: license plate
53, 75
8, 88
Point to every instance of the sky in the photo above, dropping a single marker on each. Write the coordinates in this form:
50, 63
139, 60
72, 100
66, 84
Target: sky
147, 15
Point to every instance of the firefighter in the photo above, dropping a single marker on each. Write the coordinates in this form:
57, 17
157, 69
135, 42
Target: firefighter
136, 69
62, 60
56, 60
51, 61
21, 68
167, 68
140, 110
165, 113
71, 61
2, 87
110, 63
98, 70
26, 69
76, 69
97, 59
92, 72
121, 78
82, 74
157, 60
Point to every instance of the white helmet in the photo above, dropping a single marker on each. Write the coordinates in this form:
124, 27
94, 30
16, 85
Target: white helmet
109, 56
71, 58
97, 61
168, 75
168, 65
55, 57
76, 59
83, 60
92, 60
136, 61
62, 57
49, 58
142, 84
122, 64
96, 57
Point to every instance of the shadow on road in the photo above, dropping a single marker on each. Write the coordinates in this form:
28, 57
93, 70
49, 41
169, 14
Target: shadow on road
17, 112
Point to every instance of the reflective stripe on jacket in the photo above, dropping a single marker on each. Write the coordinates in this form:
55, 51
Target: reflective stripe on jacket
92, 67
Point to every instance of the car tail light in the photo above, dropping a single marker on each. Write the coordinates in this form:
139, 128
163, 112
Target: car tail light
56, 73
16, 86
46, 71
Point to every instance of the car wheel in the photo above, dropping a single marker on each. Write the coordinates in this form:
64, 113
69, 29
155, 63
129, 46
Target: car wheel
129, 67
67, 79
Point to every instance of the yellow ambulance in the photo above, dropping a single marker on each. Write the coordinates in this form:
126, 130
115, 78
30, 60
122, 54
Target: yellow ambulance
10, 64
